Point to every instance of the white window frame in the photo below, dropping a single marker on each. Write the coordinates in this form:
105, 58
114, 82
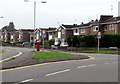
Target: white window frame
82, 30
63, 31
95, 28
112, 26
105, 28
76, 30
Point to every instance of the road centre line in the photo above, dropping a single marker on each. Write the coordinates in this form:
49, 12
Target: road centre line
106, 63
57, 72
114, 62
86, 66
81, 66
92, 65
12, 57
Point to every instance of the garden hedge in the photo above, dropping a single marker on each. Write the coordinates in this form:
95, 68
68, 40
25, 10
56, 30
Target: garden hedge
107, 40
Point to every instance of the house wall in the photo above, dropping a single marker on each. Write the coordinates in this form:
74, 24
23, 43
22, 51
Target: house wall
108, 29
118, 28
63, 36
68, 33
74, 32
88, 30
93, 32
26, 37
16, 36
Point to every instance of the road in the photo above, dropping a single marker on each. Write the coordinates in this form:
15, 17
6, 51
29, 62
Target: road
103, 68
21, 55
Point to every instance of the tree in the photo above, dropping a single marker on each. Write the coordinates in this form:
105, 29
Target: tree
9, 27
5, 28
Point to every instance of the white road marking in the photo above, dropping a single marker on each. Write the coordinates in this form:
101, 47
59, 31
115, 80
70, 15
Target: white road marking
12, 57
81, 66
86, 66
57, 72
106, 63
114, 62
91, 65
26, 80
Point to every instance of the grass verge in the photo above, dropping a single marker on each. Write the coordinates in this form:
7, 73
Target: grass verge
50, 55
1, 51
101, 51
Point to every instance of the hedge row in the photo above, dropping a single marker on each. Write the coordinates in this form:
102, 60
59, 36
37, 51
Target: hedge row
107, 40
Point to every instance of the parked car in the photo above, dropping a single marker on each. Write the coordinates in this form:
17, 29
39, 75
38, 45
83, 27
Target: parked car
27, 43
54, 47
64, 44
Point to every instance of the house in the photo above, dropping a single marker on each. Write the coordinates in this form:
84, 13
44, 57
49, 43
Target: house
61, 34
8, 35
25, 35
83, 29
111, 25
95, 26
52, 33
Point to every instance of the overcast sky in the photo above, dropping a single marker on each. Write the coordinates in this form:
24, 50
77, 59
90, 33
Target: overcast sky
54, 12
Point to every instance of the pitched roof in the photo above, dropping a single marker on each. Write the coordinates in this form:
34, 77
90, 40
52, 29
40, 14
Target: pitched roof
114, 19
104, 18
70, 26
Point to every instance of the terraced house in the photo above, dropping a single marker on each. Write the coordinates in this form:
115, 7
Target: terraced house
106, 24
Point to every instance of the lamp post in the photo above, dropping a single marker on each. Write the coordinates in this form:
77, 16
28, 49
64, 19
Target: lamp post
34, 22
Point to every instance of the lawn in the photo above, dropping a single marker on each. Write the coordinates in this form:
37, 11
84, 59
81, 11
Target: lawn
101, 51
1, 51
50, 55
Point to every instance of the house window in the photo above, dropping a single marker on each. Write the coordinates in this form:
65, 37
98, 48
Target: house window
76, 30
63, 31
82, 30
50, 33
95, 28
112, 26
105, 28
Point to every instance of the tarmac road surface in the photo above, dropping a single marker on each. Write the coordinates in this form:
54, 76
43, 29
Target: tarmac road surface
103, 68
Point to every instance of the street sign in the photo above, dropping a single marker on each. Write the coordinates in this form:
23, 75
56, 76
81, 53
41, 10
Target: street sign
99, 33
99, 37
43, 36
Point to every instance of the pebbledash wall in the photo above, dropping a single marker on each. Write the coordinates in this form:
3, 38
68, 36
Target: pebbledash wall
119, 8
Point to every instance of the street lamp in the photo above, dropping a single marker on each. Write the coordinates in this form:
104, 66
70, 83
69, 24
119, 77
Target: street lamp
34, 21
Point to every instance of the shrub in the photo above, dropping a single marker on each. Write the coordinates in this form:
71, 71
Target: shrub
107, 40
89, 40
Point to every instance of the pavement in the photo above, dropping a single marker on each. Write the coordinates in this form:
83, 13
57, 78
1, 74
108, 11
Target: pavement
103, 68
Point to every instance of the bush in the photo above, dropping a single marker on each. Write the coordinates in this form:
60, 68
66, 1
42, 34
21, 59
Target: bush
110, 40
107, 40
89, 40
48, 43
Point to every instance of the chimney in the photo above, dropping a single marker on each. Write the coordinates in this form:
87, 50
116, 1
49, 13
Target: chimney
96, 20
74, 25
82, 23
105, 17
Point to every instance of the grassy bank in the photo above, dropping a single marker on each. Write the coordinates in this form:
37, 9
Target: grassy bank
50, 55
101, 51
1, 51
